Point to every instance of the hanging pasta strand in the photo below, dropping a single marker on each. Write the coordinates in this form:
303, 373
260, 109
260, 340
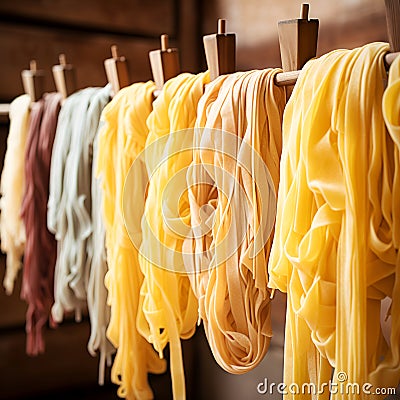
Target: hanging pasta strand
387, 373
237, 149
99, 310
41, 247
334, 251
12, 229
168, 307
70, 199
121, 139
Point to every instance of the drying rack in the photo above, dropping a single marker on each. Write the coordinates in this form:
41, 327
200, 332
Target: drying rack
297, 39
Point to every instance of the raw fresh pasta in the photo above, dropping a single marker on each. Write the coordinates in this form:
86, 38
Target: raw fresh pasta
41, 247
12, 229
121, 139
335, 250
99, 310
69, 210
232, 184
168, 306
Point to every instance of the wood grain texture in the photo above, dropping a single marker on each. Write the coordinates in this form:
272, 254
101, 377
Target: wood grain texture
393, 23
19, 44
332, 36
150, 17
189, 34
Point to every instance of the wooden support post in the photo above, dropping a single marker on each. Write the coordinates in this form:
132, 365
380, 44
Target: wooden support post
393, 23
116, 70
298, 40
64, 77
220, 49
164, 63
33, 81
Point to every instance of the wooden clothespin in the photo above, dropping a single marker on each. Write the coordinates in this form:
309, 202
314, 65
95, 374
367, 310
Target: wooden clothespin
298, 40
64, 77
164, 63
116, 70
33, 81
220, 49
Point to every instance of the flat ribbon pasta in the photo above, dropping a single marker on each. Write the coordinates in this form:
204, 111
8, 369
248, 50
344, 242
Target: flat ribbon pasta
168, 308
334, 250
12, 229
121, 138
232, 184
41, 247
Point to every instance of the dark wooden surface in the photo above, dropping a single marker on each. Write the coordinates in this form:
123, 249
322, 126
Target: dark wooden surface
347, 26
331, 36
127, 17
86, 52
85, 29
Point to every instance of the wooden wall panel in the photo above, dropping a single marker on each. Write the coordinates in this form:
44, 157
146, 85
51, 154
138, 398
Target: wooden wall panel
331, 36
87, 52
150, 17
190, 36
85, 29
343, 24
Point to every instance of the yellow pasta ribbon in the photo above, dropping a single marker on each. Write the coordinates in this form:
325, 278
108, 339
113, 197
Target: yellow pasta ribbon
168, 307
121, 139
12, 228
387, 373
232, 190
335, 250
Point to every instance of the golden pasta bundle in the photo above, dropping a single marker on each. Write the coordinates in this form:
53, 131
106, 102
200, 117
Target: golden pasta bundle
168, 307
335, 250
120, 141
232, 184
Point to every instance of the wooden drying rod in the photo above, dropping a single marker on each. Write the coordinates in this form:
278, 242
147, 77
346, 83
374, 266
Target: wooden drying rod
290, 78
281, 79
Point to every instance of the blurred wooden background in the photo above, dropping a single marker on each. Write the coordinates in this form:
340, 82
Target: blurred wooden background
84, 31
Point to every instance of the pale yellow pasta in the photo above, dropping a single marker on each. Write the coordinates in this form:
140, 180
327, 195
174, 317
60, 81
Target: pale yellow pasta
237, 148
168, 307
121, 139
12, 229
335, 250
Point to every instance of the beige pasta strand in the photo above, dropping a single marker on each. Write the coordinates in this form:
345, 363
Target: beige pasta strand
236, 153
12, 229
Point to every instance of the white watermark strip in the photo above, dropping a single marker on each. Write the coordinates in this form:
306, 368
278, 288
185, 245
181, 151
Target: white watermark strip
341, 386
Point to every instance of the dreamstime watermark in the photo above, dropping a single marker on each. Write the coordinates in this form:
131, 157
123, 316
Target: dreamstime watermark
207, 189
339, 386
